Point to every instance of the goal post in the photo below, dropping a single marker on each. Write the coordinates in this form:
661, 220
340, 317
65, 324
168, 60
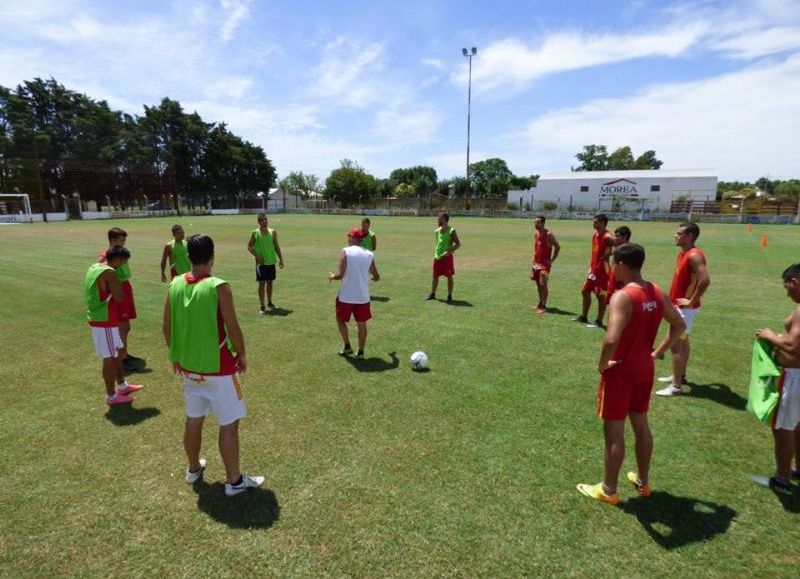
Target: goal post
15, 208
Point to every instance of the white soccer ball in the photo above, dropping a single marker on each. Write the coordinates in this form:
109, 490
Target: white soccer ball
419, 361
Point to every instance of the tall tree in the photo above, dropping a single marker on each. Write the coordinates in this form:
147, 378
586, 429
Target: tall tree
350, 184
592, 158
621, 159
490, 177
648, 160
300, 184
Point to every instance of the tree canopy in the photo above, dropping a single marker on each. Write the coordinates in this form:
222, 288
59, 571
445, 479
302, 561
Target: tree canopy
597, 158
350, 184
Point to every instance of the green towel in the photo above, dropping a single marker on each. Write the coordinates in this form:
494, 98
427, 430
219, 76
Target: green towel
764, 372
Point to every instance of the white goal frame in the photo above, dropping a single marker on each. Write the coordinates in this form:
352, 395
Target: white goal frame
26, 217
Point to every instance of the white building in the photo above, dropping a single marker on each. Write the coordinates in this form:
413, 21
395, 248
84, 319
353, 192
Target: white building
618, 190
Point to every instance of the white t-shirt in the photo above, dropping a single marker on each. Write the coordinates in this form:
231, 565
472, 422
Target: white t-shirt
355, 283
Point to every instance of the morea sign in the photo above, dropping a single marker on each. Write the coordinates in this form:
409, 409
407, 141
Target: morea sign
624, 187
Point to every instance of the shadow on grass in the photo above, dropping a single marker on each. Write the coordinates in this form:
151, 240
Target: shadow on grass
674, 522
128, 415
253, 509
790, 504
374, 364
719, 393
560, 312
459, 303
139, 368
380, 298
279, 312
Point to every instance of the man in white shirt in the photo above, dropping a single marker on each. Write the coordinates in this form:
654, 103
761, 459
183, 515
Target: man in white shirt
356, 264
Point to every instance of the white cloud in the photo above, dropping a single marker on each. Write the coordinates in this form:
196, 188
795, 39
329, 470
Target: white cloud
743, 123
436, 63
343, 72
406, 126
236, 11
753, 44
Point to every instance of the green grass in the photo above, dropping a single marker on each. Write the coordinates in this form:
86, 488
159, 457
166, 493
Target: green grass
467, 470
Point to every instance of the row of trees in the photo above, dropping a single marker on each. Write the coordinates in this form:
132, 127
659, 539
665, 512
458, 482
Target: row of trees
785, 191
54, 141
597, 158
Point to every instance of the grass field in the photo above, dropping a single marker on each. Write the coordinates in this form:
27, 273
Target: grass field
373, 470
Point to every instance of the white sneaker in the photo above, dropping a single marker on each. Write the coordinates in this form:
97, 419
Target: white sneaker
248, 482
193, 477
670, 390
666, 379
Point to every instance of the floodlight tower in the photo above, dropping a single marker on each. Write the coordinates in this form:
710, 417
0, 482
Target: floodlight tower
469, 54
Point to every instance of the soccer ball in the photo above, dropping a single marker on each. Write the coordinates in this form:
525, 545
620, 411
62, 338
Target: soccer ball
419, 361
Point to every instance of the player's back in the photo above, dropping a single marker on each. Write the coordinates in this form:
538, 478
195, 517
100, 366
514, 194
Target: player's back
647, 311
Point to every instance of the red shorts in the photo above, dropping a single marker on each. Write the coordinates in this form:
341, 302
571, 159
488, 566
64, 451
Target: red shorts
597, 283
621, 392
128, 306
539, 271
360, 312
444, 266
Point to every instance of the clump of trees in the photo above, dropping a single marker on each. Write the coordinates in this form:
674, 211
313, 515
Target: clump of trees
597, 158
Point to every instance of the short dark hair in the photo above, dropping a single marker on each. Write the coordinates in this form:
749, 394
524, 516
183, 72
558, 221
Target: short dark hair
540, 217
691, 228
177, 227
791, 272
116, 232
623, 231
201, 248
117, 252
445, 216
262, 214
630, 254
366, 220
601, 217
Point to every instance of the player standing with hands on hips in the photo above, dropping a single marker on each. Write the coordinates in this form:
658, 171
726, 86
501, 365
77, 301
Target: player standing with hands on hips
447, 242
263, 245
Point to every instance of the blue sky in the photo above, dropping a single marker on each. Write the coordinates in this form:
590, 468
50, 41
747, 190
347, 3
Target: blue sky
707, 84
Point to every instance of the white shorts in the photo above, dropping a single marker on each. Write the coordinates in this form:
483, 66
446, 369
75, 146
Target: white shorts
220, 394
688, 315
107, 342
788, 411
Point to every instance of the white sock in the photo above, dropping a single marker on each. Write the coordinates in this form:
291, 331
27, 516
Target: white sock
122, 385
114, 395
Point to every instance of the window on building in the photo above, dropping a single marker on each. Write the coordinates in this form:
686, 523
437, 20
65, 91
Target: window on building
584, 188
655, 187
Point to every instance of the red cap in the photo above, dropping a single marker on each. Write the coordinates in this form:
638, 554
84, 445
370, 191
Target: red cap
355, 233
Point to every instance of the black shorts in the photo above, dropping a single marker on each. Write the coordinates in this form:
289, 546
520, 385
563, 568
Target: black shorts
265, 272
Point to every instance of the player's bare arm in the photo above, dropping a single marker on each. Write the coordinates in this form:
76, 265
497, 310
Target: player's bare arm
609, 248
113, 286
788, 344
554, 245
676, 327
250, 245
619, 314
455, 242
165, 255
373, 270
342, 268
700, 272
375, 243
277, 249
226, 309
166, 322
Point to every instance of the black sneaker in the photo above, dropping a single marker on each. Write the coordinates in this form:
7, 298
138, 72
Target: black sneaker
780, 486
271, 306
796, 474
449, 299
262, 311
134, 359
359, 354
346, 351
581, 319
431, 297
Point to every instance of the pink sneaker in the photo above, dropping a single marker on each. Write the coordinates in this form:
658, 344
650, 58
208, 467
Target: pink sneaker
129, 389
119, 399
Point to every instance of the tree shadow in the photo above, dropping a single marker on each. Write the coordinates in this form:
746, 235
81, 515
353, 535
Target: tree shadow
674, 522
253, 509
459, 303
560, 312
279, 312
719, 393
128, 415
380, 298
374, 364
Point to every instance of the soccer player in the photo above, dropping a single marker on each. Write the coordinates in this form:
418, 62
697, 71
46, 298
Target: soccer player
447, 242
622, 235
175, 253
264, 246
786, 419
369, 240
200, 326
689, 283
104, 302
117, 237
545, 252
626, 371
356, 264
597, 278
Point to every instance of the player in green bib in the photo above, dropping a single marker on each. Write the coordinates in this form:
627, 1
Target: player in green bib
368, 240
447, 242
206, 347
175, 252
263, 245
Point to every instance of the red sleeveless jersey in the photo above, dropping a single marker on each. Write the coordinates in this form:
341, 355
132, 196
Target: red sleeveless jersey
636, 343
599, 243
541, 248
683, 283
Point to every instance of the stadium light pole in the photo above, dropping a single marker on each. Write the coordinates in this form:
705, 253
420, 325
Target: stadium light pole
469, 54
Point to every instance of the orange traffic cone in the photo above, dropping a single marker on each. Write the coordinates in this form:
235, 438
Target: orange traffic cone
763, 241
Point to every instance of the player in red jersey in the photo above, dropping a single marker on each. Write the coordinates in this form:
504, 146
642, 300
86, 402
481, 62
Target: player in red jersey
689, 282
622, 235
597, 279
545, 252
626, 370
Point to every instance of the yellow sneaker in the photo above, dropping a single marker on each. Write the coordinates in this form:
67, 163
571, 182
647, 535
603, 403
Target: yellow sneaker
597, 493
643, 490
